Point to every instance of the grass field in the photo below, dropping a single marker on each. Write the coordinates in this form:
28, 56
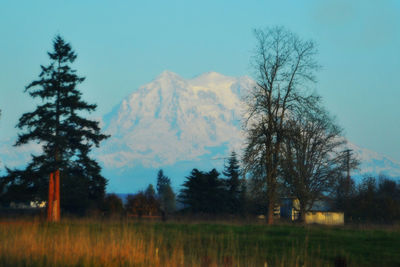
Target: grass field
108, 243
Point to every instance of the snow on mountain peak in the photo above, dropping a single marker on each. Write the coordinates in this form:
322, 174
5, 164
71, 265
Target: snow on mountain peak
172, 119
373, 163
167, 75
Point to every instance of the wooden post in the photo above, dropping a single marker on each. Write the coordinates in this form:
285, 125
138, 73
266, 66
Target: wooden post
51, 198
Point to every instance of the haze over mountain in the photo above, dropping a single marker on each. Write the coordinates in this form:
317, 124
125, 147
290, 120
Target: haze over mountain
179, 124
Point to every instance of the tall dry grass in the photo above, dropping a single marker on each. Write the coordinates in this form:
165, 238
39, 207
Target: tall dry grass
89, 243
127, 243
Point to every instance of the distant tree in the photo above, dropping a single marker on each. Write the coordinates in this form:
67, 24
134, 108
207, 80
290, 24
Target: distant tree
153, 204
166, 195
18, 186
233, 184
150, 192
388, 200
256, 195
137, 204
365, 204
311, 162
284, 66
244, 207
167, 201
162, 180
203, 192
66, 136
75, 195
113, 205
143, 203
343, 195
376, 201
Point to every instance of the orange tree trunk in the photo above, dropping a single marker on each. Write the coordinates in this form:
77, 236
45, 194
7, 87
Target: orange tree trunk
57, 197
51, 198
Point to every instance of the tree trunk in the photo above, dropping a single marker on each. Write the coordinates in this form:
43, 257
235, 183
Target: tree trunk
270, 212
302, 213
57, 197
51, 198
53, 205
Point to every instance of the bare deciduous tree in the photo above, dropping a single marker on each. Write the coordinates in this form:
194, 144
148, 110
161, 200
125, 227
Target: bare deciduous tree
284, 66
312, 159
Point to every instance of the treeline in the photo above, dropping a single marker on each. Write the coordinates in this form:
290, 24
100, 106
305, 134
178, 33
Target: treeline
205, 193
375, 200
144, 203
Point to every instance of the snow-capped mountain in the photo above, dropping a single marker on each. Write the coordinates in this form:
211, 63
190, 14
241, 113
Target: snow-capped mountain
179, 124
373, 163
172, 119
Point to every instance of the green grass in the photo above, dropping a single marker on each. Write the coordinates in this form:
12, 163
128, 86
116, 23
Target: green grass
93, 243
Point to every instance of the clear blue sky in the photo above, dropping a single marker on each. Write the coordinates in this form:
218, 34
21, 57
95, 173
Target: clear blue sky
124, 44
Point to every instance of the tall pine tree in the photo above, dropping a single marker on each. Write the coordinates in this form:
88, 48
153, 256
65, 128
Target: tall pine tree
166, 195
203, 192
233, 183
67, 137
162, 181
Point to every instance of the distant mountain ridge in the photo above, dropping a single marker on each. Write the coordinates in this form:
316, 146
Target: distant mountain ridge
178, 124
373, 163
172, 119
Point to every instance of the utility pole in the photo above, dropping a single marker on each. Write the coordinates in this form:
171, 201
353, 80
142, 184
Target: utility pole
346, 203
348, 151
348, 180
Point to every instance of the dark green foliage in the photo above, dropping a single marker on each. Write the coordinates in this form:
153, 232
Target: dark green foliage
162, 180
166, 195
137, 204
203, 192
372, 200
143, 203
66, 136
167, 200
378, 201
112, 205
150, 192
256, 196
233, 185
74, 193
388, 199
20, 187
343, 194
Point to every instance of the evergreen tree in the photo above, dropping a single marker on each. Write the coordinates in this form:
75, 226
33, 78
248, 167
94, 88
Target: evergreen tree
162, 181
66, 136
233, 183
203, 192
167, 200
165, 194
150, 192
